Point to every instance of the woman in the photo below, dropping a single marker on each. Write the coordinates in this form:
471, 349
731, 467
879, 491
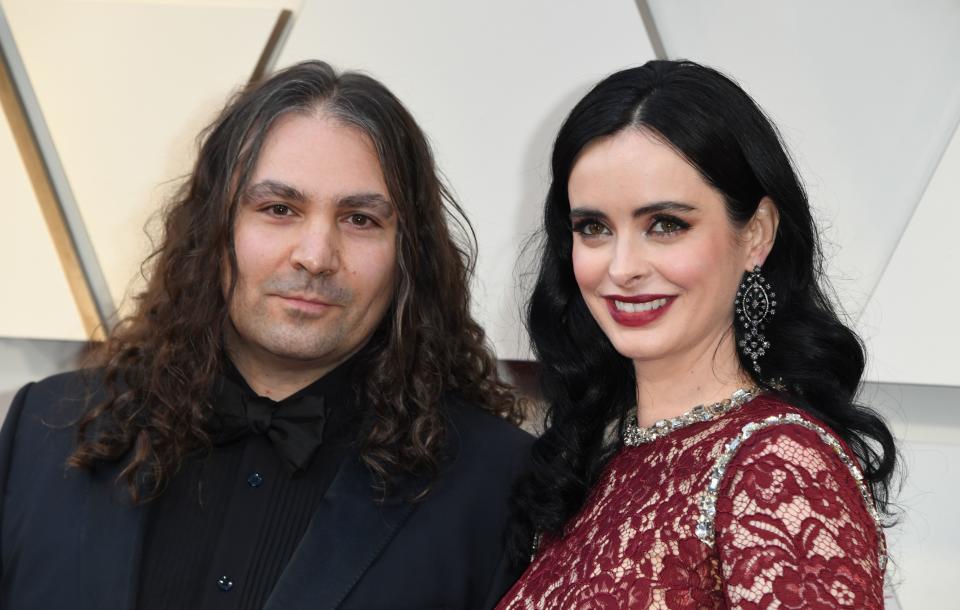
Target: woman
681, 267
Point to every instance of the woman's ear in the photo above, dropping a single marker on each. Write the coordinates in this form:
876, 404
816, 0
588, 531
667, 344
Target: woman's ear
761, 233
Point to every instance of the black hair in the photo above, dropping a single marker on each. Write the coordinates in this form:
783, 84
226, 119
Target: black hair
588, 386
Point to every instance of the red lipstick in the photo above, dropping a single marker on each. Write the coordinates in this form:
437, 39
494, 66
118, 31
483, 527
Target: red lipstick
638, 310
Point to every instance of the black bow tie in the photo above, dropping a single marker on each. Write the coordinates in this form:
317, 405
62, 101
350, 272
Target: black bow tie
295, 427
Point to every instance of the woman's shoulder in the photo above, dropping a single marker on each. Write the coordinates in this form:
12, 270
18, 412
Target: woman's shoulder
771, 433
787, 488
769, 422
765, 405
769, 419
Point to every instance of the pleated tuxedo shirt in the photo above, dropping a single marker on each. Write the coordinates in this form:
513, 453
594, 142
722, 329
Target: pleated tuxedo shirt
225, 528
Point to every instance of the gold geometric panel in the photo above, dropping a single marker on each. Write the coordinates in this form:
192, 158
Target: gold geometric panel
37, 301
125, 87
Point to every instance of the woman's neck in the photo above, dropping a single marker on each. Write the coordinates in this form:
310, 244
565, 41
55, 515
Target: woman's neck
668, 387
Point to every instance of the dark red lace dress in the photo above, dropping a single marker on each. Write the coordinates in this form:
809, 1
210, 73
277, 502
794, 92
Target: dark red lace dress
761, 507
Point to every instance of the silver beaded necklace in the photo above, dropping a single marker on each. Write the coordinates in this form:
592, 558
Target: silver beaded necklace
634, 435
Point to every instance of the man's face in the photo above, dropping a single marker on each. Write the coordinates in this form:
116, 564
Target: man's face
315, 238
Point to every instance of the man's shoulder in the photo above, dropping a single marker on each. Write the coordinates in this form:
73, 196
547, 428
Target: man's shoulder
39, 433
69, 382
473, 423
58, 398
484, 455
481, 441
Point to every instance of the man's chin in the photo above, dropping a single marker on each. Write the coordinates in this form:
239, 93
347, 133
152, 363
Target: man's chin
301, 354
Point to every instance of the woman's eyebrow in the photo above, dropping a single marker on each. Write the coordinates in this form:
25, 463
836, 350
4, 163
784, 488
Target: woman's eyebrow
650, 208
663, 206
581, 212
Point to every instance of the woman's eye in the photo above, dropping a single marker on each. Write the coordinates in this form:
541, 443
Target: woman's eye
590, 228
667, 226
278, 209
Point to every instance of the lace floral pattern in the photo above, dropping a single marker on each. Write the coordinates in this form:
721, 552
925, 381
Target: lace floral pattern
791, 527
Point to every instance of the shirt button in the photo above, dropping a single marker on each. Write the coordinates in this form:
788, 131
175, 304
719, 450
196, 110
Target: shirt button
225, 583
255, 479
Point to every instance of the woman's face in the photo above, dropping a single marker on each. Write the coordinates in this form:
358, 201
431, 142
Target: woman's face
657, 259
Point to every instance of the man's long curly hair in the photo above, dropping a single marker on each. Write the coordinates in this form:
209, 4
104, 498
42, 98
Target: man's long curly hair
160, 364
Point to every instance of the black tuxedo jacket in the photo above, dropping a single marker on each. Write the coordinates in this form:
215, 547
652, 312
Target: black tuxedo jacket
71, 539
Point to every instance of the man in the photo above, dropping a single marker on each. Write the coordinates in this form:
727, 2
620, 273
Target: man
301, 412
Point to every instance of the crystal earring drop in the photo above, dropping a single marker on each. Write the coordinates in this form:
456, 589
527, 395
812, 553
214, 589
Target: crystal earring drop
756, 302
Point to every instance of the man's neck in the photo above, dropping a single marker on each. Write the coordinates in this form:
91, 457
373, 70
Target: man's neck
270, 375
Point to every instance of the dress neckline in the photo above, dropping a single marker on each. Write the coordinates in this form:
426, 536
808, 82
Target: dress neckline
634, 435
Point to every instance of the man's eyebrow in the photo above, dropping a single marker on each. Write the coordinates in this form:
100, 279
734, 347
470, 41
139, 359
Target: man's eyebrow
266, 189
650, 208
370, 201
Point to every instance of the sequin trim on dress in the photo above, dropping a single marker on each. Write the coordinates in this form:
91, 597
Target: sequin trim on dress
707, 502
634, 436
535, 546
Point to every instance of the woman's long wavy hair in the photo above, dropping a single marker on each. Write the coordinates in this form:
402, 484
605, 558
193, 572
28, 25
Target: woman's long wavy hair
160, 364
588, 385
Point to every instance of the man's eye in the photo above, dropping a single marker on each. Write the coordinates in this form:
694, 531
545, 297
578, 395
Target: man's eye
360, 220
278, 209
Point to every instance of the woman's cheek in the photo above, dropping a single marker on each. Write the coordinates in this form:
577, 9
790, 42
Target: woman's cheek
588, 267
692, 263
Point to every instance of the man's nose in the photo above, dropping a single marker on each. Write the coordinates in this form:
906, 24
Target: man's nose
317, 250
629, 261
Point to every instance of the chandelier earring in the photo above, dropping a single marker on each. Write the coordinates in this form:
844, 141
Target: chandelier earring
755, 304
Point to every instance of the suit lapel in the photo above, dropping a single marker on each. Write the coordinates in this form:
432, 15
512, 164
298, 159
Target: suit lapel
111, 543
347, 533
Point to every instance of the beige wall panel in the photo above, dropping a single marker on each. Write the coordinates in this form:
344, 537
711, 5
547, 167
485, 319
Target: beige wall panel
125, 87
911, 324
37, 302
490, 82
